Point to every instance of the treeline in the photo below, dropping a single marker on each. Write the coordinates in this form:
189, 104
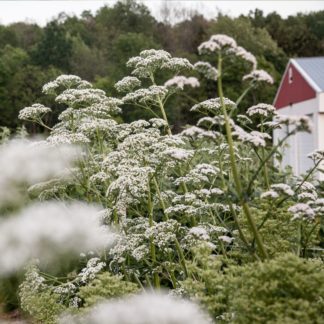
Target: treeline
96, 47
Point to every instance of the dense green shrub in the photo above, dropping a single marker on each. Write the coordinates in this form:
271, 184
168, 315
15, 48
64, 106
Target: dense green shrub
286, 289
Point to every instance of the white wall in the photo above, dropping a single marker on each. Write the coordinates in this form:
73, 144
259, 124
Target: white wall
321, 101
300, 145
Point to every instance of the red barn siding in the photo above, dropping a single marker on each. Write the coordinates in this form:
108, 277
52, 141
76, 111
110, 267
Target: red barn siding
296, 91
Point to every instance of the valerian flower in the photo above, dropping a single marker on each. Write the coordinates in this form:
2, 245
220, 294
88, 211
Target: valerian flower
213, 105
207, 70
302, 211
261, 110
216, 43
180, 81
34, 112
46, 230
259, 76
127, 84
163, 309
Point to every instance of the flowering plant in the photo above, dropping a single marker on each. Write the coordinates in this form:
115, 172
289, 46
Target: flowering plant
162, 194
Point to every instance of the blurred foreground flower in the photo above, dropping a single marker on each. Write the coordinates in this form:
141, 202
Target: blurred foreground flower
49, 230
143, 309
26, 163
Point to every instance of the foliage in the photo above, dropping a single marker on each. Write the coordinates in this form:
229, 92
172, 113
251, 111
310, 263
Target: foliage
40, 303
286, 289
97, 46
161, 193
106, 286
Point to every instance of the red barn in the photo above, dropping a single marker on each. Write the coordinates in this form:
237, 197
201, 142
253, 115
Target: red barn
301, 92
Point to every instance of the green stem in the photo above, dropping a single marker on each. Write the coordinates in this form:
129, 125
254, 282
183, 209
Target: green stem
268, 157
152, 246
236, 177
164, 115
181, 257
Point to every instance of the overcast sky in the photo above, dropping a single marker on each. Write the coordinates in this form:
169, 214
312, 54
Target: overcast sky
43, 11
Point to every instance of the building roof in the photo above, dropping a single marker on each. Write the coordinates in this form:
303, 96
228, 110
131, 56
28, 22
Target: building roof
312, 69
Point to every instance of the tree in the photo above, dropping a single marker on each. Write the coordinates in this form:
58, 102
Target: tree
54, 48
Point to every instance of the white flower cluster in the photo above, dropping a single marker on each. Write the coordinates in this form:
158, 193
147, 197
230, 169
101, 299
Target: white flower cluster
296, 123
261, 110
152, 60
317, 155
255, 138
81, 97
302, 211
195, 132
92, 127
180, 81
213, 105
201, 173
307, 192
208, 71
35, 161
216, 43
34, 112
245, 55
127, 84
67, 138
144, 309
146, 96
163, 233
93, 267
65, 81
259, 76
277, 190
179, 154
46, 230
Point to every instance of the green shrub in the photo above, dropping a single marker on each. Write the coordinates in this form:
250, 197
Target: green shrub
286, 289
106, 286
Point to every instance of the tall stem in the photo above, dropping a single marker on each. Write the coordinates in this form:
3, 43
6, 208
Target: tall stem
152, 246
236, 177
164, 115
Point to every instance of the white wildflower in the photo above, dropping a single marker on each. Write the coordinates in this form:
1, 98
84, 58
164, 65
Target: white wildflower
302, 211
200, 233
259, 76
213, 105
163, 309
179, 153
177, 64
81, 97
307, 196
216, 43
256, 138
158, 122
67, 138
243, 119
127, 84
65, 81
197, 133
93, 267
47, 230
226, 239
23, 162
317, 155
148, 62
300, 123
245, 55
152, 94
269, 194
180, 81
208, 71
282, 188
261, 109
34, 112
